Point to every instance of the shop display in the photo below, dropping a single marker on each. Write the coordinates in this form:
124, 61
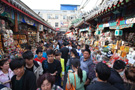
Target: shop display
8, 41
32, 38
22, 39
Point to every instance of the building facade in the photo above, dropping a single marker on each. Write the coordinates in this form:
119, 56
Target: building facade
59, 19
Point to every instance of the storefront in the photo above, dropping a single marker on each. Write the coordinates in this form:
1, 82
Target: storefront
19, 25
6, 29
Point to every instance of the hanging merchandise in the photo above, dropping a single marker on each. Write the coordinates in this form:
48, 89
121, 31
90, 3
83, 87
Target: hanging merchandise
8, 41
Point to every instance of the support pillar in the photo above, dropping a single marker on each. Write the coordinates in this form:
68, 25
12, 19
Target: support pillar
37, 33
16, 23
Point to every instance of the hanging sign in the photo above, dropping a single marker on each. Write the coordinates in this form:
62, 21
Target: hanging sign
106, 25
126, 26
28, 21
130, 21
113, 24
118, 32
121, 26
40, 27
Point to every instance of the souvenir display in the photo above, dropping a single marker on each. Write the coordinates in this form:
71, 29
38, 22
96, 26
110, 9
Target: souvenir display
32, 38
8, 41
22, 39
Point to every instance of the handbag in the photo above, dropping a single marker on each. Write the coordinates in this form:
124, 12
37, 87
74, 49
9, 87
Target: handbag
71, 85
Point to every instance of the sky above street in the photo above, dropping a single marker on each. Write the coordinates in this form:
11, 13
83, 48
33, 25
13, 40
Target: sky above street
55, 4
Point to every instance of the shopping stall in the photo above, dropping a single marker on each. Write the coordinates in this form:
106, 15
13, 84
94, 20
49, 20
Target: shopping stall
113, 22
19, 26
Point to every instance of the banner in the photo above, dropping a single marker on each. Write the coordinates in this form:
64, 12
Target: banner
130, 21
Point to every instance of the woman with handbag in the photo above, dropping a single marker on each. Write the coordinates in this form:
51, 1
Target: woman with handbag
77, 78
73, 55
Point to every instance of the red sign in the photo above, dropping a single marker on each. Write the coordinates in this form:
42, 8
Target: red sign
57, 29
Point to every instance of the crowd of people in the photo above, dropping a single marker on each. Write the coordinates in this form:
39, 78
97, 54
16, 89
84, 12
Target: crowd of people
55, 61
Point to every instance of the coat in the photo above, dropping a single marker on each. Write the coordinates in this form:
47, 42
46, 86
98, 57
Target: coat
38, 70
28, 82
116, 80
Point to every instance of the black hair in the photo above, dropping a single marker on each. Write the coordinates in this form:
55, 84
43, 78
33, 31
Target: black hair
38, 50
103, 71
41, 42
58, 53
46, 76
130, 74
17, 63
28, 47
87, 51
64, 44
28, 55
2, 62
79, 45
75, 53
49, 52
86, 46
119, 64
76, 64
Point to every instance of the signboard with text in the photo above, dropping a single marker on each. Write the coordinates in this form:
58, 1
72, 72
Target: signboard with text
130, 21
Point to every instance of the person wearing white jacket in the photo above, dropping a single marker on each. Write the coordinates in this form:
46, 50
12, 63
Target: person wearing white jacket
32, 65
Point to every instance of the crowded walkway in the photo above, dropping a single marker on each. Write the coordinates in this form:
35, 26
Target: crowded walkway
61, 63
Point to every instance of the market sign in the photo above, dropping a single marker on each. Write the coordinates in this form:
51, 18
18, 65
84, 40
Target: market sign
122, 22
101, 26
130, 21
125, 26
122, 26
106, 25
40, 27
113, 24
28, 21
113, 27
57, 29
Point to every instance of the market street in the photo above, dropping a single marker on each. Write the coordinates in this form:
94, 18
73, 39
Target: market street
67, 45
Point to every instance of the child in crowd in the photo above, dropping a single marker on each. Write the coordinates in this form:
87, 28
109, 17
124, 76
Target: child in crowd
39, 53
58, 57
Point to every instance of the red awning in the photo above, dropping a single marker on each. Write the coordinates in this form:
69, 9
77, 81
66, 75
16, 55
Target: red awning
9, 4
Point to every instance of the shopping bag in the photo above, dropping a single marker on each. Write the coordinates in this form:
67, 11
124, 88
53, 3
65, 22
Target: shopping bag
71, 85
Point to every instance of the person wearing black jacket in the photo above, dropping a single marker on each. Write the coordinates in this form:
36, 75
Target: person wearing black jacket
103, 73
115, 78
52, 66
23, 79
64, 50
